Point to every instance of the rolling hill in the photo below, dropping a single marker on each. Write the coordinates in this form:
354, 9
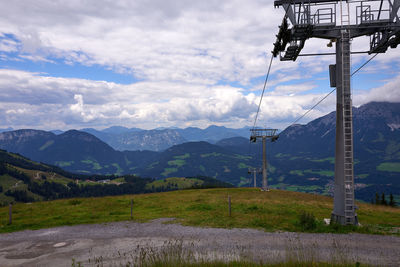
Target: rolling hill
73, 150
200, 158
83, 153
24, 180
302, 159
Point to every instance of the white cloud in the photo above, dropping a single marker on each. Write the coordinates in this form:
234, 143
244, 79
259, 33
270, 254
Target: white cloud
153, 40
293, 89
181, 51
48, 102
7, 45
78, 107
36, 58
388, 92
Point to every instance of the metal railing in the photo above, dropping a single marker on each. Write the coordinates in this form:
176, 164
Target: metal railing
365, 14
321, 16
324, 16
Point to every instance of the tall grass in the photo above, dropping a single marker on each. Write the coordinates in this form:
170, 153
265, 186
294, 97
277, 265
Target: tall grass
175, 253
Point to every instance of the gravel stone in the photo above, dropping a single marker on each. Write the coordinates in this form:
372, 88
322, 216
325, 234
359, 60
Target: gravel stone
119, 242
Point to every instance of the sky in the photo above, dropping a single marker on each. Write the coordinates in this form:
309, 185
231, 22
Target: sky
165, 63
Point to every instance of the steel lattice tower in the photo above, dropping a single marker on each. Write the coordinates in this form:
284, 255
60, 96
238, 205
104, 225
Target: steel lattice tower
254, 171
264, 134
378, 19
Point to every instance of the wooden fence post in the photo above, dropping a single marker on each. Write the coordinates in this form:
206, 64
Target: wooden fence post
10, 214
131, 209
229, 204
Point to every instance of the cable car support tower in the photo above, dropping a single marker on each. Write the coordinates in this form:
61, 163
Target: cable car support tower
254, 171
264, 134
378, 19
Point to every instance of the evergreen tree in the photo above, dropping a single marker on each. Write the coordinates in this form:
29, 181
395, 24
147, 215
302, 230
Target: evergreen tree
391, 201
383, 200
3, 168
377, 200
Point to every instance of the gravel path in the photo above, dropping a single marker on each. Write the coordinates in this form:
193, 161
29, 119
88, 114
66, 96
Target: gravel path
117, 243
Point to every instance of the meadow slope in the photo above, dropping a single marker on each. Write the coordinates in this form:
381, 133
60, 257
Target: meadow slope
276, 210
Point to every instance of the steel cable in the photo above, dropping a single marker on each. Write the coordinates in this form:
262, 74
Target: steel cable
262, 94
334, 89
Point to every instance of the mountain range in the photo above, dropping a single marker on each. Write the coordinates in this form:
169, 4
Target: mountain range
302, 159
121, 138
24, 180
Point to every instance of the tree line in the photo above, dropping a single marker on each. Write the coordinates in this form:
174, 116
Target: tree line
50, 190
381, 200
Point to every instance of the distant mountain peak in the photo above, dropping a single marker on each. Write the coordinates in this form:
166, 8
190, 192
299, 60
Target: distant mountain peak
79, 135
116, 129
24, 133
216, 127
386, 111
6, 129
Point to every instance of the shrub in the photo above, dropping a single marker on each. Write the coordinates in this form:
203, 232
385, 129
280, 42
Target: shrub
383, 200
74, 202
307, 221
391, 202
19, 195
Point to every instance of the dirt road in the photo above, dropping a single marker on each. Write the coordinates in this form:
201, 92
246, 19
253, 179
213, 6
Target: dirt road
117, 243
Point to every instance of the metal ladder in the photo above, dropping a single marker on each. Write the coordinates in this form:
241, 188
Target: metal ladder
348, 130
344, 14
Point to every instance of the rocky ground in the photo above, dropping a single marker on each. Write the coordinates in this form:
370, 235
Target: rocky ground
127, 242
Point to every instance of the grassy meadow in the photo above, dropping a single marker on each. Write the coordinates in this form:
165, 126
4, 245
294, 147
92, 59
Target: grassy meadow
276, 210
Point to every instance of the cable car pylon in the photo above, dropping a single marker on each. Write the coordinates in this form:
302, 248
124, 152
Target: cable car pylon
254, 171
378, 19
263, 134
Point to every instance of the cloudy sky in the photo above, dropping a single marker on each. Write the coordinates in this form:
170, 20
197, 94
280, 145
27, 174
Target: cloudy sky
164, 63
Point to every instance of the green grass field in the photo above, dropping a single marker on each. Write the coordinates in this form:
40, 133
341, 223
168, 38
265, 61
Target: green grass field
389, 167
175, 183
276, 210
